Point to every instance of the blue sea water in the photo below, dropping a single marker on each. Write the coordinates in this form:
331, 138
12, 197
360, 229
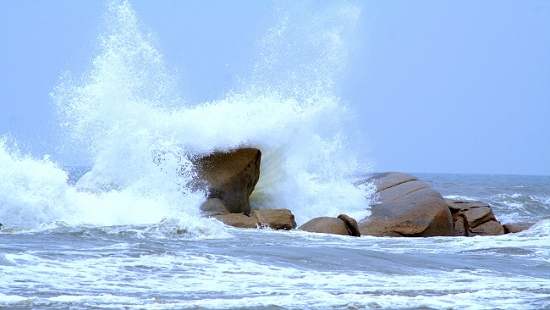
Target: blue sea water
125, 231
172, 264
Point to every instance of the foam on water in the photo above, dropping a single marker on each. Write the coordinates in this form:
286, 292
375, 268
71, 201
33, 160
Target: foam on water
357, 272
126, 115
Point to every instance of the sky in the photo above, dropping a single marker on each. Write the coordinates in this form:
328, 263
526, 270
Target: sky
434, 86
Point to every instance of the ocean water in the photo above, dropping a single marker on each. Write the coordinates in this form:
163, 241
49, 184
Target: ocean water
124, 231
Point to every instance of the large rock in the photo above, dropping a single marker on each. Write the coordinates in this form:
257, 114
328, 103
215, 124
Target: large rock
473, 218
230, 177
268, 218
342, 225
406, 207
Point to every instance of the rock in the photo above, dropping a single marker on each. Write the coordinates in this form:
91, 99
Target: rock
461, 226
230, 176
275, 218
351, 223
474, 218
237, 220
406, 207
489, 228
512, 228
343, 225
478, 216
268, 218
326, 225
213, 206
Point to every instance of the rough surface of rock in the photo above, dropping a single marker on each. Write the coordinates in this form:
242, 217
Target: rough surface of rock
342, 225
473, 218
406, 207
230, 176
268, 218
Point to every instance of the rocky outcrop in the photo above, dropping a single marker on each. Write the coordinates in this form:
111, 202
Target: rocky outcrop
342, 225
268, 218
230, 177
473, 218
406, 207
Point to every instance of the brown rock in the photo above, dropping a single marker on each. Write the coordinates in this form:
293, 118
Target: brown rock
461, 227
459, 205
237, 220
213, 206
390, 179
351, 224
326, 225
490, 228
407, 207
473, 218
512, 228
343, 225
268, 218
478, 216
275, 218
230, 176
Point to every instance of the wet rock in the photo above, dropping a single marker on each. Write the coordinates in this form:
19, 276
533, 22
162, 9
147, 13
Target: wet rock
268, 218
342, 225
238, 220
461, 226
326, 225
406, 207
275, 218
489, 228
351, 224
213, 206
512, 228
474, 218
230, 176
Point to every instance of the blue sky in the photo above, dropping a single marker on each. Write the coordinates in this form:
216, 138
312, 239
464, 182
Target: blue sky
435, 86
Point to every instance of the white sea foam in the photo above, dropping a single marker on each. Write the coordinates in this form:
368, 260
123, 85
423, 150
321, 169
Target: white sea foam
127, 117
206, 280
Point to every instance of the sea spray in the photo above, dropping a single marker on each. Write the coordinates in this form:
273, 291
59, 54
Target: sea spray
128, 117
31, 191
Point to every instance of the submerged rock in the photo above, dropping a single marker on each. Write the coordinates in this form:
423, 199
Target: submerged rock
230, 177
269, 218
512, 228
406, 207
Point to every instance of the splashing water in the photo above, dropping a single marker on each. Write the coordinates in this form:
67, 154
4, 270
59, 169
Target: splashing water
126, 115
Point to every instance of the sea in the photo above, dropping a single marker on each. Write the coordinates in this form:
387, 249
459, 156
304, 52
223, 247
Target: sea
124, 231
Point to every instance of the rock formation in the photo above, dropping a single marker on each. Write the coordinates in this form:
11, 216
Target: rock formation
230, 176
406, 207
473, 218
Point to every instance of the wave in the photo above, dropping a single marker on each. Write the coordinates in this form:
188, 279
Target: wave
126, 116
